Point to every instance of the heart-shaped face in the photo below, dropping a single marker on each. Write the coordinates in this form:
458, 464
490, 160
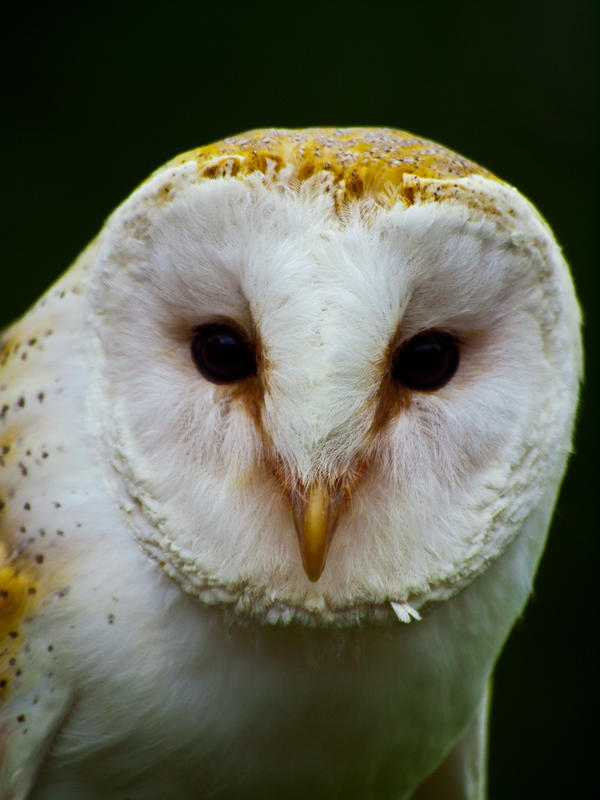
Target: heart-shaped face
334, 369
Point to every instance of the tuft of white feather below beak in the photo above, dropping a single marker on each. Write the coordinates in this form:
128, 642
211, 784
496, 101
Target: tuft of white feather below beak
316, 510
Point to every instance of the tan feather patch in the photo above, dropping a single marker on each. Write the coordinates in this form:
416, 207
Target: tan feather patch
358, 163
18, 597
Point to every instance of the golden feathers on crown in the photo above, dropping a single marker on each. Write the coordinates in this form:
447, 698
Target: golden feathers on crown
379, 164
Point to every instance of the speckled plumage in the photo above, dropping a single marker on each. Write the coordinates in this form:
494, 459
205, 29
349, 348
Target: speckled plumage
159, 635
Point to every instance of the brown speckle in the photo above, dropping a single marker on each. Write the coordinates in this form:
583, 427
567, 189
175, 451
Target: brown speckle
3, 410
27, 506
40, 397
21, 402
39, 558
111, 619
13, 634
21, 718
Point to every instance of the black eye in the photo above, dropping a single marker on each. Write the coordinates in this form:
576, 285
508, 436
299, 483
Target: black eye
427, 361
222, 354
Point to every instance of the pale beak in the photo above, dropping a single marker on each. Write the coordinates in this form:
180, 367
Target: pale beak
316, 511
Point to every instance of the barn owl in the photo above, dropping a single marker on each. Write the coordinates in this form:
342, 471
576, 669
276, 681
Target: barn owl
278, 457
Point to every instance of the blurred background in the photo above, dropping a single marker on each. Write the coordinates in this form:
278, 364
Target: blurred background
98, 95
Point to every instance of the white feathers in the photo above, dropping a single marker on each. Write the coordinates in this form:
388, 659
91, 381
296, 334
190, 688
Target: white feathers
154, 540
404, 611
450, 480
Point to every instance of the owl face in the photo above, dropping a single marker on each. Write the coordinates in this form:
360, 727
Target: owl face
330, 370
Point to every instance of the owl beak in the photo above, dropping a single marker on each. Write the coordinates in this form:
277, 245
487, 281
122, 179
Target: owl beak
316, 510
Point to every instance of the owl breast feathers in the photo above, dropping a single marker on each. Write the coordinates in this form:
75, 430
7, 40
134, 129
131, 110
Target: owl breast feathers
278, 455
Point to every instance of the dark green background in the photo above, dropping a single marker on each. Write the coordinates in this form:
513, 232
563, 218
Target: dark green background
99, 95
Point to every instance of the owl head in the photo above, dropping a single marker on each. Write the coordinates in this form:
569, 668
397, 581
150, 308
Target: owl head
331, 369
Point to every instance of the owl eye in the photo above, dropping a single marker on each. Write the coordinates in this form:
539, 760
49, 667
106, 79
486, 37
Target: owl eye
427, 361
222, 354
